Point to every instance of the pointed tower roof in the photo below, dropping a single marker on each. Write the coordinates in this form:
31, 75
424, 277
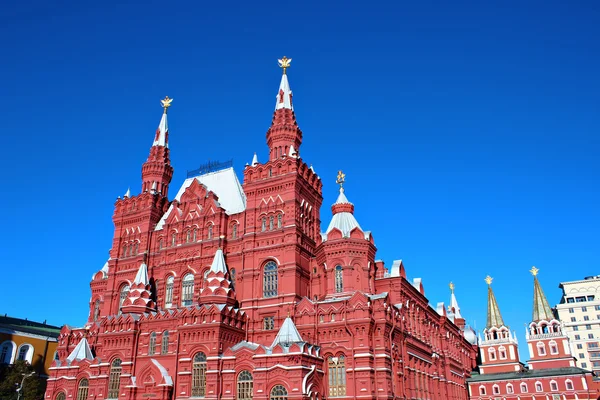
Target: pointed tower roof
127, 193
81, 352
254, 160
541, 307
142, 275
218, 264
284, 95
288, 334
162, 132
494, 318
343, 211
453, 303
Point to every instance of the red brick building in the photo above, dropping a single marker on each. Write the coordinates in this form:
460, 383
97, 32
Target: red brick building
551, 373
233, 291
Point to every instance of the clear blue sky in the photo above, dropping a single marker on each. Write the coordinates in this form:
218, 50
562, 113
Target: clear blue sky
469, 133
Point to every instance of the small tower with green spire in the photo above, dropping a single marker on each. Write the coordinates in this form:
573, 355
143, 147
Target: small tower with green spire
498, 347
548, 346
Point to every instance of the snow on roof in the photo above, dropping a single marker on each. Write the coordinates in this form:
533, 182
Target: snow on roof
224, 183
81, 352
288, 333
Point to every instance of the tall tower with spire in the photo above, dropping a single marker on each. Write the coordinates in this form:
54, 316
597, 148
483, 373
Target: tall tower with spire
548, 345
157, 170
498, 347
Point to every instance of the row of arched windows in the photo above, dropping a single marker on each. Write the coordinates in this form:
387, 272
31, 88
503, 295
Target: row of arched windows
523, 387
270, 223
131, 249
8, 354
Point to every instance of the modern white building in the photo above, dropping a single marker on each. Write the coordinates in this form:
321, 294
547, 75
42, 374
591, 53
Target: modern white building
579, 311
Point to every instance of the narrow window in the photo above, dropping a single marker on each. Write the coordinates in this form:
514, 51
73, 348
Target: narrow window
136, 248
82, 390
234, 231
114, 379
278, 392
244, 386
337, 376
6, 353
523, 388
173, 239
96, 310
199, 375
481, 390
339, 279
232, 277
123, 295
553, 386
541, 349
124, 250
210, 231
152, 344
264, 224
160, 244
569, 385
195, 234
538, 387
188, 236
164, 346
169, 292
271, 222
187, 289
279, 220
496, 389
509, 388
270, 280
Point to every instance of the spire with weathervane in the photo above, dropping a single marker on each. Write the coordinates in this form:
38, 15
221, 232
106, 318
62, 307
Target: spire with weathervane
494, 318
541, 307
284, 136
343, 211
157, 170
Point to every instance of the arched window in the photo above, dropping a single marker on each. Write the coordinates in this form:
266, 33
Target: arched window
114, 379
502, 352
482, 390
164, 345
523, 388
234, 229
6, 352
279, 220
496, 389
339, 279
492, 353
152, 344
96, 310
553, 347
160, 244
271, 222
82, 389
509, 388
270, 279
538, 387
337, 376
123, 295
569, 384
187, 290
25, 353
553, 386
173, 239
245, 385
61, 396
541, 348
188, 236
195, 235
278, 392
264, 224
169, 292
124, 250
232, 276
136, 247
210, 231
199, 375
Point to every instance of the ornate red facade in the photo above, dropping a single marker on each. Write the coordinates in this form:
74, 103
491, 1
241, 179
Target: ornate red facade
233, 291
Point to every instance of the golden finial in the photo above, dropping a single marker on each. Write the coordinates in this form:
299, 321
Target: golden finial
451, 287
488, 280
166, 103
534, 271
284, 63
341, 178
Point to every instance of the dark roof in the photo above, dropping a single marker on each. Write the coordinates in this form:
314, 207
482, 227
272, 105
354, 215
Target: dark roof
529, 373
26, 326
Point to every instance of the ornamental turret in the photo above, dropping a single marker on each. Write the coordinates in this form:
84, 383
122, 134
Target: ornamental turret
157, 170
284, 136
548, 345
218, 288
139, 299
498, 348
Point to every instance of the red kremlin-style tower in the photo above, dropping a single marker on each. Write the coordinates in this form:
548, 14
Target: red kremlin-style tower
231, 291
551, 373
